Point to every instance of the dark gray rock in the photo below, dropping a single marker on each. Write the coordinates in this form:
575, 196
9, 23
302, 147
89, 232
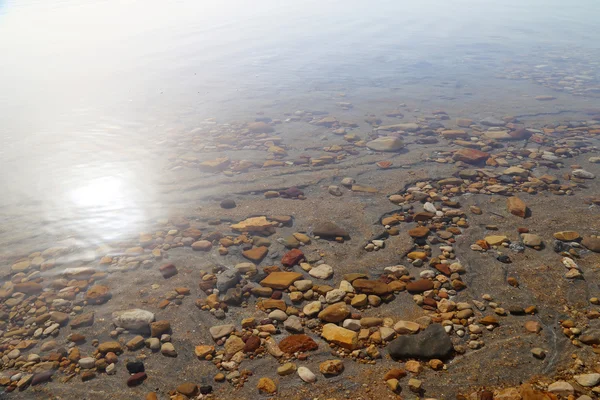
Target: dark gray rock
431, 343
228, 203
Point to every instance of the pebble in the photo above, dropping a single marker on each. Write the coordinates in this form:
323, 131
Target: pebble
168, 350
331, 367
588, 380
322, 271
306, 375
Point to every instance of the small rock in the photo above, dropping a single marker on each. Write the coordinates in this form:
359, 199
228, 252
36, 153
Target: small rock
306, 375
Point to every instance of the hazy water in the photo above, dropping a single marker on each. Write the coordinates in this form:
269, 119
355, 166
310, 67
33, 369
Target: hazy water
89, 89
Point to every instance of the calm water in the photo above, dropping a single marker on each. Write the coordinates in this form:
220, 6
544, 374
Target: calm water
89, 90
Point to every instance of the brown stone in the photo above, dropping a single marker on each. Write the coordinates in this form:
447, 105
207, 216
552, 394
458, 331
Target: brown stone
470, 156
419, 286
266, 385
28, 287
371, 287
136, 343
335, 313
533, 326
280, 280
191, 232
394, 373
202, 245
271, 304
168, 270
188, 389
256, 254
252, 344
297, 343
592, 243
516, 206
86, 319
159, 327
566, 236
136, 379
419, 232
97, 294
331, 367
114, 347
292, 257
423, 216
489, 320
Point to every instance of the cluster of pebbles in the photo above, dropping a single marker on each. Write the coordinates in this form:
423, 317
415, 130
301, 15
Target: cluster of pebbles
298, 301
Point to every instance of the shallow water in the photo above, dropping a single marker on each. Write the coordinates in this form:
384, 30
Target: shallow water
90, 90
107, 108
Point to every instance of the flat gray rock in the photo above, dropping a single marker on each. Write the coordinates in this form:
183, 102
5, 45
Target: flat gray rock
219, 331
227, 279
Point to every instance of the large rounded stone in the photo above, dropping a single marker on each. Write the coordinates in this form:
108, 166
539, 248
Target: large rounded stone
134, 319
387, 143
431, 343
335, 313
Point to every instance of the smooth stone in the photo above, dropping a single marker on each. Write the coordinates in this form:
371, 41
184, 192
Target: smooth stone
306, 375
531, 240
133, 319
329, 230
588, 380
386, 143
561, 388
431, 343
220, 331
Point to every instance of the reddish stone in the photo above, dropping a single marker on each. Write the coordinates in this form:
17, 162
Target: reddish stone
277, 294
97, 294
419, 286
168, 270
136, 379
252, 344
444, 269
471, 156
296, 343
520, 134
292, 258
430, 302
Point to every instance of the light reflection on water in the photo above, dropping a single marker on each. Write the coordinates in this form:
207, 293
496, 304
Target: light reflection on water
89, 89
